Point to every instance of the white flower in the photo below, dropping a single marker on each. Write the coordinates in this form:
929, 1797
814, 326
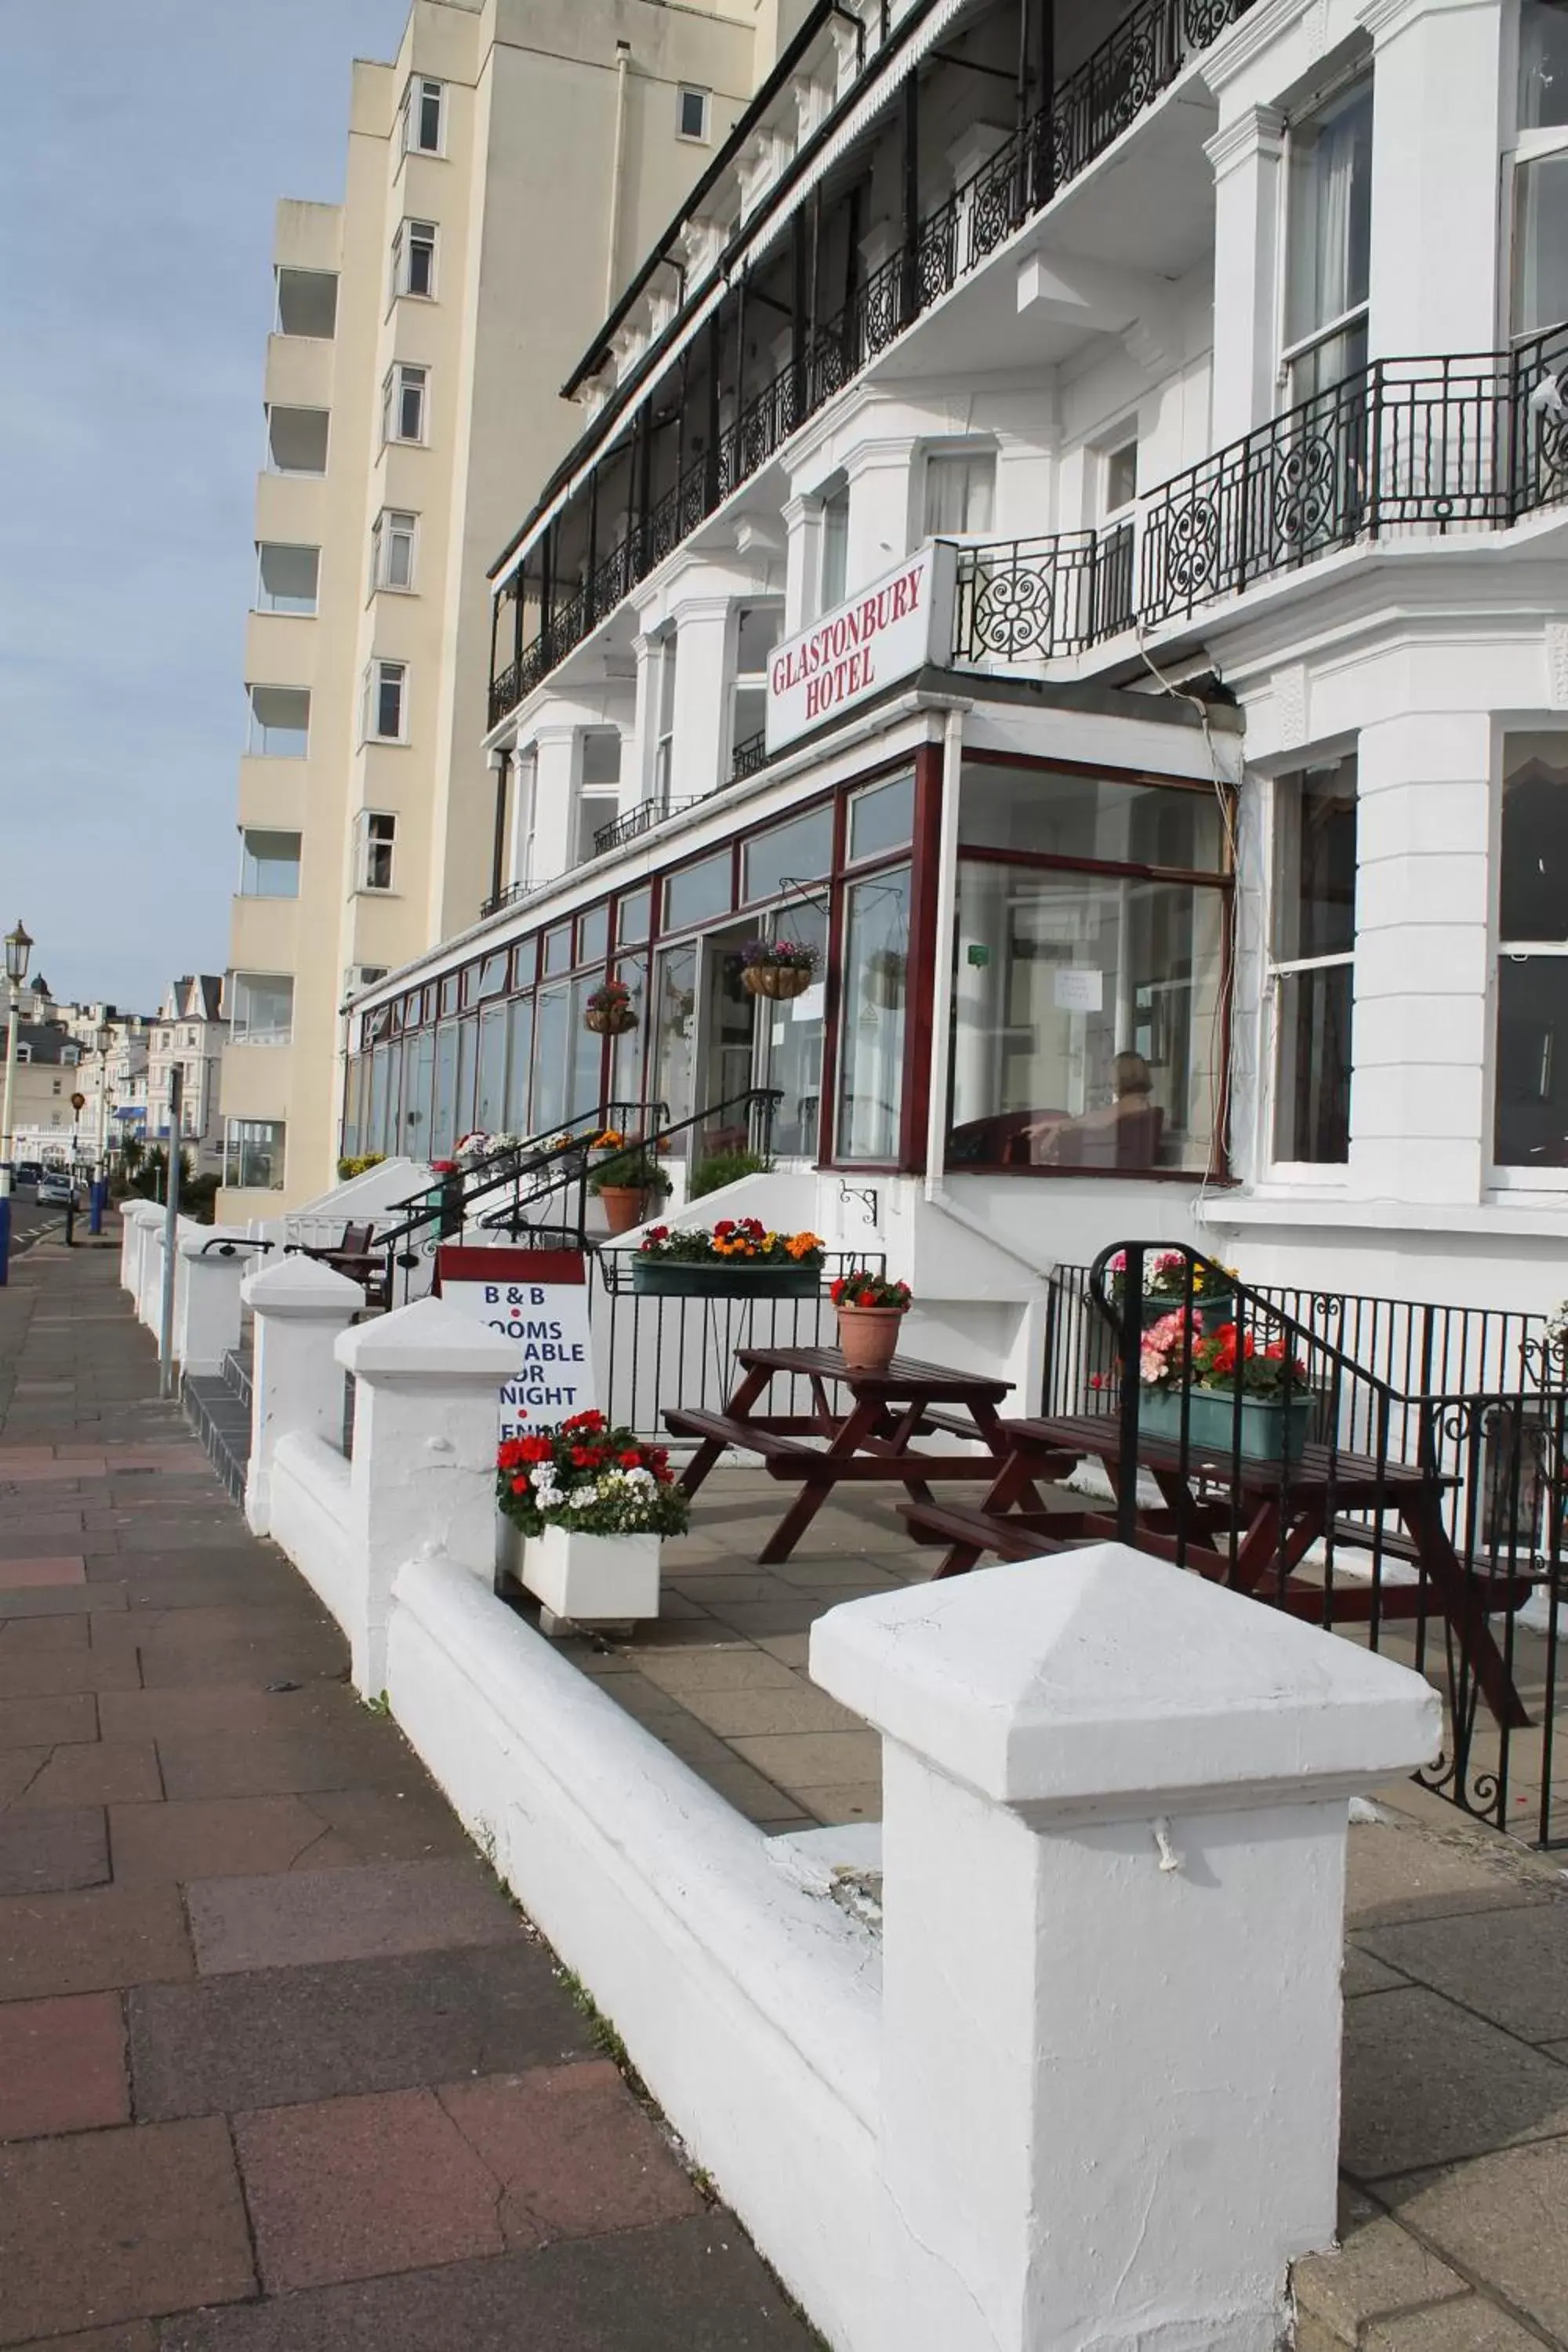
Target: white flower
550, 1498
582, 1499
639, 1478
543, 1473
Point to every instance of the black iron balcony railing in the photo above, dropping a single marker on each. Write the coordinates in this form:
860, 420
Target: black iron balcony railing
1140, 58
636, 822
749, 756
1036, 599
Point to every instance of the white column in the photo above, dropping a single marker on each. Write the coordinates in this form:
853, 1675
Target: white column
803, 546
882, 524
426, 1425
554, 801
1437, 68
1246, 156
1115, 1810
701, 697
214, 1262
637, 755
299, 1307
1420, 1115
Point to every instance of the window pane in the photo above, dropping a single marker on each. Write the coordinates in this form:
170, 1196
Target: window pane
1540, 244
519, 1057
1313, 1094
797, 852
490, 1107
626, 1049
287, 577
389, 700
428, 132
594, 935
1315, 862
959, 493
1121, 478
253, 1154
263, 1008
1087, 816
416, 1082
468, 1059
297, 440
306, 302
834, 550
596, 812
558, 949
698, 892
1532, 1062
280, 722
1542, 63
871, 1020
269, 864
1330, 212
1086, 1021
756, 636
601, 758
550, 1070
585, 1091
675, 1034
1533, 898
635, 916
882, 817
443, 1126
794, 1041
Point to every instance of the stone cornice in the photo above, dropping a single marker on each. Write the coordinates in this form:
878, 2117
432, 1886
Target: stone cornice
1245, 42
1259, 130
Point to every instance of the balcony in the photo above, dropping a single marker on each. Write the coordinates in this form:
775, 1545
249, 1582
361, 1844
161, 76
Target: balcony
555, 604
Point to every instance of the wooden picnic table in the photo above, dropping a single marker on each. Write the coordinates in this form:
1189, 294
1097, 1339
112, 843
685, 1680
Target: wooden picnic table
1247, 1523
872, 1442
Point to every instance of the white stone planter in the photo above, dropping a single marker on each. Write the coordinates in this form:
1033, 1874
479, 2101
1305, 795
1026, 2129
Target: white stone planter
593, 1579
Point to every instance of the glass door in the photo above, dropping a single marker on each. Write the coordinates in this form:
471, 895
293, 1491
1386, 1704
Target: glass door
789, 1039
727, 1041
675, 1032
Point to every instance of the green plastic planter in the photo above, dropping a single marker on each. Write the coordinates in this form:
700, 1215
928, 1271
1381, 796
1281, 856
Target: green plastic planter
1270, 1429
671, 1278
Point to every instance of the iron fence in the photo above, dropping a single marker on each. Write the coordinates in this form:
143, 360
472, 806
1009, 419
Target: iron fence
1423, 1510
1033, 599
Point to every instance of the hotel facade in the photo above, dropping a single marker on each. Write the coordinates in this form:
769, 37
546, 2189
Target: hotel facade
1070, 523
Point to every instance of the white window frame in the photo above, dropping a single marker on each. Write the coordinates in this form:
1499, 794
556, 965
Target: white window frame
416, 90
1109, 450
377, 680
704, 137
1317, 1175
747, 681
1501, 1176
408, 234
298, 612
967, 453
376, 831
1359, 314
239, 1029
391, 527
395, 387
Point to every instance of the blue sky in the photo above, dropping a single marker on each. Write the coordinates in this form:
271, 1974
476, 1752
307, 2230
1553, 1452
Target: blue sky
147, 142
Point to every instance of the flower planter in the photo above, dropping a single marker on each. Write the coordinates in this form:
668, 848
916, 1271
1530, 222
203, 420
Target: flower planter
625, 1206
1270, 1429
869, 1337
669, 1278
776, 980
610, 1020
609, 1580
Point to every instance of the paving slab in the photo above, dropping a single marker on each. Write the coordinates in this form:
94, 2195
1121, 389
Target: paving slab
49, 1852
88, 1942
1379, 2269
65, 1568
1398, 1873
1426, 2084
1473, 2326
695, 2287
96, 1772
1501, 2220
345, 1915
276, 2037
62, 2065
355, 1751
112, 2225
1509, 1965
574, 2152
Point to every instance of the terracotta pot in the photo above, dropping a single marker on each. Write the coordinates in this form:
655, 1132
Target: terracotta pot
869, 1337
610, 1020
778, 980
624, 1205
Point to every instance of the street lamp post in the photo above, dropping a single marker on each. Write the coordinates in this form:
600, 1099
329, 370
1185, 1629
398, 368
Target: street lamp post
18, 950
100, 1198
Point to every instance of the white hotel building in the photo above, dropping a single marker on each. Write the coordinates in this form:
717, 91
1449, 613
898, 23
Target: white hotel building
1188, 848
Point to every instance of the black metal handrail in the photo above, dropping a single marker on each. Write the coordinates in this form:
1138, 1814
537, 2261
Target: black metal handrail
1084, 115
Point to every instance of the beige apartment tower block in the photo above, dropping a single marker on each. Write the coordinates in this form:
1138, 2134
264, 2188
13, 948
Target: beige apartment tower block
505, 174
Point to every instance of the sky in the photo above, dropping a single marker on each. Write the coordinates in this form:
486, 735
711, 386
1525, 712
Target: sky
147, 142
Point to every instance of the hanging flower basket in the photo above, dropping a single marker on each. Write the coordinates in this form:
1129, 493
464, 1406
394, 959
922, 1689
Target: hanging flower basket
778, 968
609, 1012
886, 977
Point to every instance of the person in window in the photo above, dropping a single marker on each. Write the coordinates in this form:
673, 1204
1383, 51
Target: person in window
1124, 1134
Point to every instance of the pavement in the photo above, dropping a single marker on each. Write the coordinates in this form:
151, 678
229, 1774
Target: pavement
281, 2068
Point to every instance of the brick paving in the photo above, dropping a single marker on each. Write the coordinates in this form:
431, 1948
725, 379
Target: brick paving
280, 2069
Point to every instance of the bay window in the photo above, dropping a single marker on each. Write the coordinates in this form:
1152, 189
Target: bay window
1542, 63
1313, 969
1539, 243
1329, 242
1531, 1097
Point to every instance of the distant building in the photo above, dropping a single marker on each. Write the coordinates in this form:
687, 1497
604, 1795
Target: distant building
188, 1034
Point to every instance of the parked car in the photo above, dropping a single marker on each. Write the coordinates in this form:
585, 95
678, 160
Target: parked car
55, 1189
27, 1171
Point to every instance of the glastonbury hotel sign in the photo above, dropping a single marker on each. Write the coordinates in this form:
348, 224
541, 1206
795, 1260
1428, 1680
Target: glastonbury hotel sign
886, 632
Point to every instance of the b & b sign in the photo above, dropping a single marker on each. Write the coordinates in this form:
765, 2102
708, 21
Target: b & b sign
539, 1298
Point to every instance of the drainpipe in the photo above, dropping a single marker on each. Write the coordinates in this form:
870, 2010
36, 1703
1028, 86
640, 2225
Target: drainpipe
617, 166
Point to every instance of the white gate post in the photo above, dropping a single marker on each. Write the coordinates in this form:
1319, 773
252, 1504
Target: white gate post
296, 1382
214, 1262
1115, 1811
426, 1424
135, 1215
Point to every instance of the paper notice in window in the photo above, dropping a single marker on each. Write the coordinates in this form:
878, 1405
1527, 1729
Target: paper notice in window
1079, 992
808, 1005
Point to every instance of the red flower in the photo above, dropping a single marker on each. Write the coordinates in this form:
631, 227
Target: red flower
520, 1485
587, 1457
1097, 1379
836, 1290
654, 1234
534, 1449
631, 1459
867, 1298
726, 1227
443, 1167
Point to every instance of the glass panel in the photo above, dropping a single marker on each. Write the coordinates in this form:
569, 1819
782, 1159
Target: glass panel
354, 1100
558, 949
449, 993
1090, 817
1085, 1021
1322, 366
601, 758
1533, 900
380, 1071
492, 976
959, 493
416, 1080
871, 1018
1540, 244
1542, 63
882, 817
286, 578
698, 893
268, 865
1312, 1092
550, 1061
794, 1042
1330, 212
594, 935
797, 852
834, 550
263, 1011
443, 1125
1315, 862
518, 1064
675, 1032
524, 963
468, 1058
756, 633
307, 303
626, 1050
1532, 1062
280, 722
253, 1154
585, 1091
635, 916
489, 1106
